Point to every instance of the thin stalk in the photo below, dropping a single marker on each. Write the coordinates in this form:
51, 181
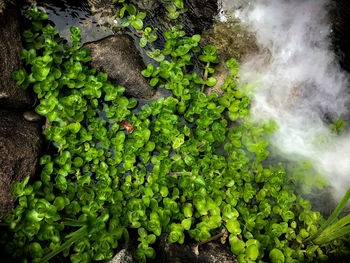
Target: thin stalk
74, 237
333, 216
206, 241
179, 173
205, 76
334, 235
71, 222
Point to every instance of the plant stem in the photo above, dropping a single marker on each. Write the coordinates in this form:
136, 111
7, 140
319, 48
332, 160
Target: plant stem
333, 216
178, 173
206, 241
74, 237
205, 76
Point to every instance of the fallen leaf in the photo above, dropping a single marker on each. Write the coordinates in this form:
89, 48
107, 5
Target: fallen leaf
127, 126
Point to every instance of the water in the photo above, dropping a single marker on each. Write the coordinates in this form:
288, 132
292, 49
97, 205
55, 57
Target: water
65, 14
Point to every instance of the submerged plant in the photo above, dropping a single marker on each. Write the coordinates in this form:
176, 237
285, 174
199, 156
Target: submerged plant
189, 165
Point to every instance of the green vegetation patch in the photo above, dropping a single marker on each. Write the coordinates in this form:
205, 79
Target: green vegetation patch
189, 165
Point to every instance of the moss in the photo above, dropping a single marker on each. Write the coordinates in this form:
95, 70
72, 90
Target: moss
231, 39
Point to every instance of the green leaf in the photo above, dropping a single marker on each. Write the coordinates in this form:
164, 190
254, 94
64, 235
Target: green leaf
137, 24
143, 42
186, 223
233, 226
154, 82
131, 9
179, 3
141, 15
178, 141
210, 50
276, 256
211, 82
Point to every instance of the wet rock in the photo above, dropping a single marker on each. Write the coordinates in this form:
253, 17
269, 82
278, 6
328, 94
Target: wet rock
104, 11
118, 57
339, 15
201, 13
231, 39
2, 6
199, 16
212, 252
123, 256
20, 147
220, 75
98, 6
146, 4
11, 96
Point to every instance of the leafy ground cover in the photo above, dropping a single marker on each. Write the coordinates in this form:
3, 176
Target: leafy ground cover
190, 165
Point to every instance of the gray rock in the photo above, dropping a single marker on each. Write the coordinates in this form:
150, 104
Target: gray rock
220, 75
232, 40
123, 256
11, 96
119, 58
212, 252
20, 147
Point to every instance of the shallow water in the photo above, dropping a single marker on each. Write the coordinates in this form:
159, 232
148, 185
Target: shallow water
65, 14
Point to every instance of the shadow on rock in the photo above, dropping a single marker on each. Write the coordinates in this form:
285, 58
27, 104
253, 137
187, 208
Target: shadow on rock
20, 149
119, 58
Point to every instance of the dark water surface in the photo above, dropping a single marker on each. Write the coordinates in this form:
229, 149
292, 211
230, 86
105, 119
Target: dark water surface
67, 13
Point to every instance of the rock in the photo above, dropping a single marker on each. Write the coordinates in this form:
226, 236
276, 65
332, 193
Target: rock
11, 96
201, 13
220, 75
104, 12
123, 256
31, 116
20, 148
199, 17
2, 6
232, 40
119, 58
147, 4
212, 252
339, 15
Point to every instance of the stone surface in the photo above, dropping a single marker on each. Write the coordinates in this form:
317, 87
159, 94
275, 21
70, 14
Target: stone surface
201, 13
220, 75
232, 40
199, 17
340, 14
32, 116
212, 252
123, 256
119, 58
20, 148
2, 6
11, 96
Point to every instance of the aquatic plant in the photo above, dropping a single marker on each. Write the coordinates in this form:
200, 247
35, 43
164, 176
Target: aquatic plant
189, 165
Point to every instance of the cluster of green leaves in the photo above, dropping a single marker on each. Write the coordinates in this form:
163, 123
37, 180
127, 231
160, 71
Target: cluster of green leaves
175, 8
148, 35
338, 126
191, 167
135, 18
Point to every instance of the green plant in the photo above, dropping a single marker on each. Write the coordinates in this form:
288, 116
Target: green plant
175, 8
190, 165
135, 18
333, 228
